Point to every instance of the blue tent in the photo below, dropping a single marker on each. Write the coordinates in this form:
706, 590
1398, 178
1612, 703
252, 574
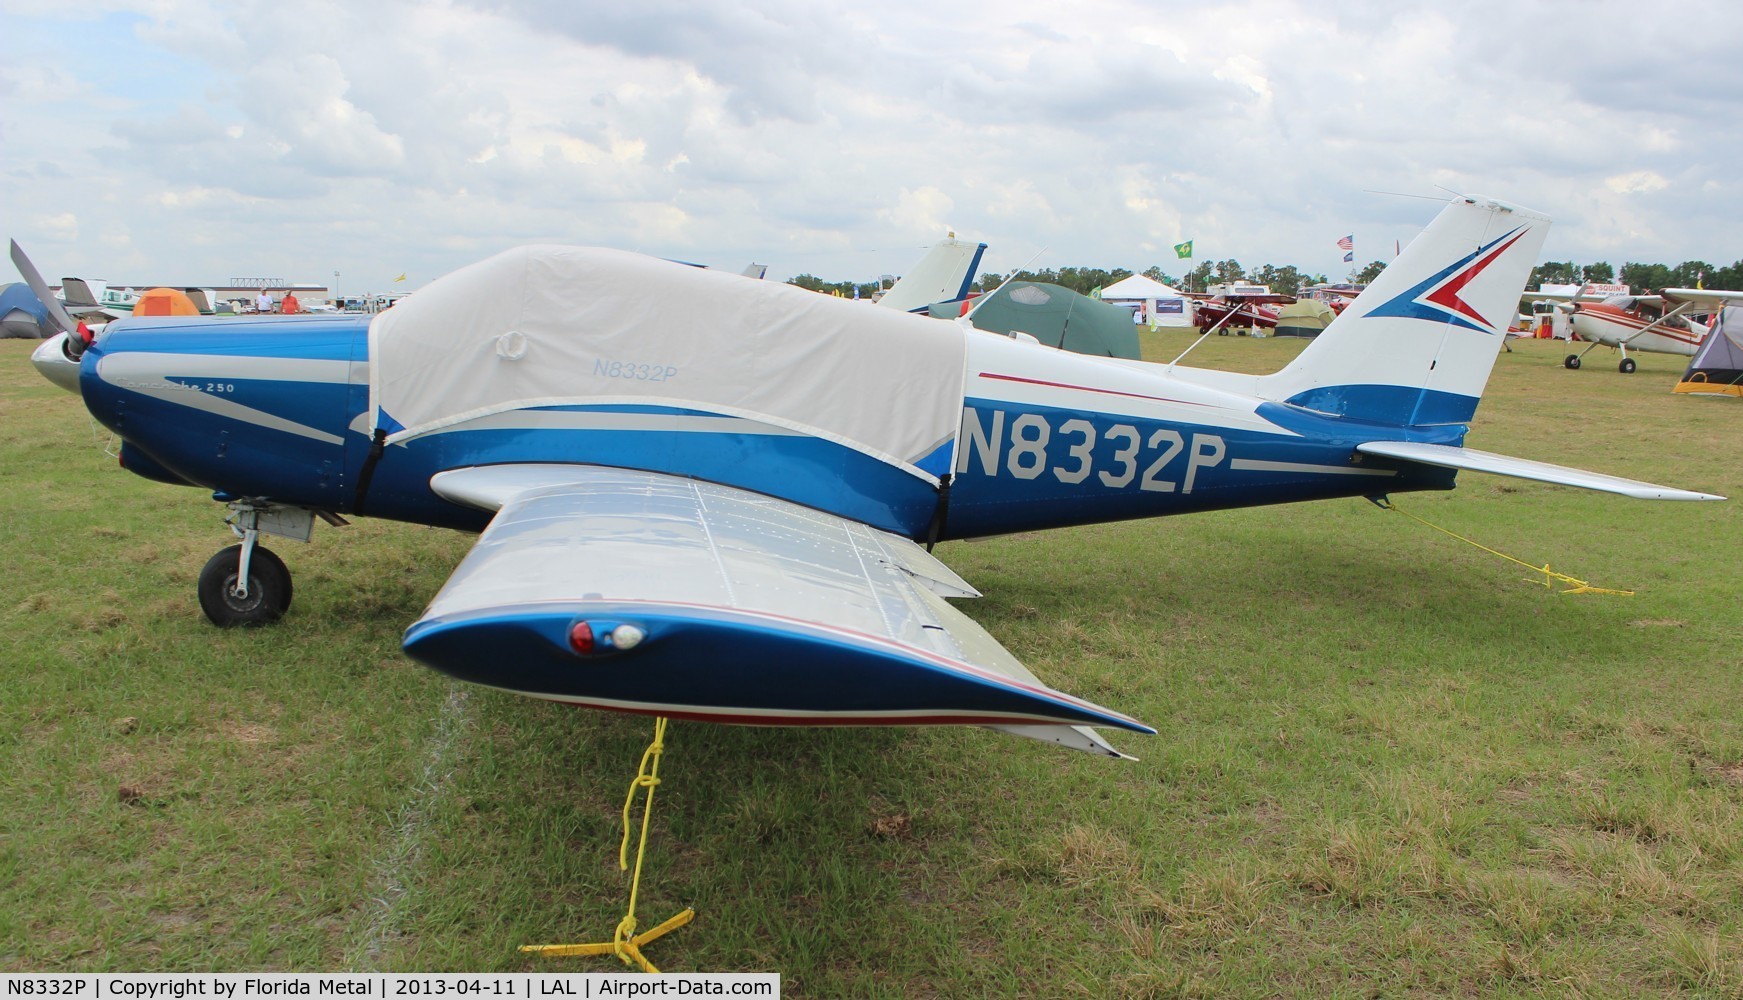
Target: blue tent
22, 314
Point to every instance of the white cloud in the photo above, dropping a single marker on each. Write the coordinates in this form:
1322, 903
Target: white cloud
837, 138
1637, 182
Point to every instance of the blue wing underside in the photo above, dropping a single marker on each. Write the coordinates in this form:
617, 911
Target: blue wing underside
745, 609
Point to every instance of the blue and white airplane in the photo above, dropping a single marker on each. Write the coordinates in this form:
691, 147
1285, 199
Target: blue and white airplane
712, 498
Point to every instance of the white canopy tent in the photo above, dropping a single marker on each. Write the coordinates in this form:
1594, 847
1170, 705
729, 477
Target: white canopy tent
1157, 304
557, 325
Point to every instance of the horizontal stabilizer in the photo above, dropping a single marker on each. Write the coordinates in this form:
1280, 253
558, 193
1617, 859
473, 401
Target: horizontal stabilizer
1449, 457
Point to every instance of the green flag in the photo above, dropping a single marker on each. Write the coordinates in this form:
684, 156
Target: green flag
1183, 249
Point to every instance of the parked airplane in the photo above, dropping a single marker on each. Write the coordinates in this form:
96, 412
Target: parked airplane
1659, 324
732, 522
100, 303
1246, 306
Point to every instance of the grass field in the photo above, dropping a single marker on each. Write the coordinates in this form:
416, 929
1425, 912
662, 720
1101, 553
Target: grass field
1389, 764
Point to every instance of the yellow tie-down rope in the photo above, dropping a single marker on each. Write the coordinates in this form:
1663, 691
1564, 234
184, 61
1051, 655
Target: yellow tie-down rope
625, 943
1576, 586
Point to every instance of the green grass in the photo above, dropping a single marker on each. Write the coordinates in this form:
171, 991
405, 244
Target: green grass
1388, 764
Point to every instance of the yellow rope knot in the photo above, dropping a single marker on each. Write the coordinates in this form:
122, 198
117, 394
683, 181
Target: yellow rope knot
1576, 586
625, 943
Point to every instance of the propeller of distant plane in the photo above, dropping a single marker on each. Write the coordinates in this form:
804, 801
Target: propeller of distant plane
75, 343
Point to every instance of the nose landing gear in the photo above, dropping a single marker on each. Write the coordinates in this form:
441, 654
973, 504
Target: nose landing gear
242, 587
247, 584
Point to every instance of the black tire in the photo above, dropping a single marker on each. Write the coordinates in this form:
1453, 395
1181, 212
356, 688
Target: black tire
269, 588
1627, 366
1572, 362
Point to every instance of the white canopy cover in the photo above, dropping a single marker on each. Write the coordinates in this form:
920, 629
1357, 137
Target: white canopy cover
559, 325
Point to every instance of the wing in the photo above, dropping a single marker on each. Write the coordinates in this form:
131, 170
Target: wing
1703, 299
641, 592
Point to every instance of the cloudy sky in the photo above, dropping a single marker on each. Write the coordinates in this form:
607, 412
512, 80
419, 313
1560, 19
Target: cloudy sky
189, 142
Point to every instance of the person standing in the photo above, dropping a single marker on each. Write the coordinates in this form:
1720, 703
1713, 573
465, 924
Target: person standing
290, 304
263, 302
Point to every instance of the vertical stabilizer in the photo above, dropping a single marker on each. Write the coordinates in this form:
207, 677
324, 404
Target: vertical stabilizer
945, 274
1417, 345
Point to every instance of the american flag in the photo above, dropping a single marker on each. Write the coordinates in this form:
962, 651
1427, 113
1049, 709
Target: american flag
1347, 243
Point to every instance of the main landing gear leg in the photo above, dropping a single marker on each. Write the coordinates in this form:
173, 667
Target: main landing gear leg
1627, 365
245, 584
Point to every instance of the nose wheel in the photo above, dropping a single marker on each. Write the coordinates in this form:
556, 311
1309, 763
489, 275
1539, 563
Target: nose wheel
229, 601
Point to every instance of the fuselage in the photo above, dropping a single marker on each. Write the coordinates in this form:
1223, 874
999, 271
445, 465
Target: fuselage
1612, 325
276, 410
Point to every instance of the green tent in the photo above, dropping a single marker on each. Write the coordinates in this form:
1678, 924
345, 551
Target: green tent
1304, 318
1054, 315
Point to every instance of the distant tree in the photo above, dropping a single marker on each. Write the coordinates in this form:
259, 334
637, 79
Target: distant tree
809, 282
989, 280
1229, 272
1643, 278
1552, 272
1198, 279
1155, 273
1727, 277
1285, 280
1367, 274
1689, 272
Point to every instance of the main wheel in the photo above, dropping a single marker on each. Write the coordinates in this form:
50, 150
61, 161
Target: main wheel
269, 588
1627, 366
1572, 362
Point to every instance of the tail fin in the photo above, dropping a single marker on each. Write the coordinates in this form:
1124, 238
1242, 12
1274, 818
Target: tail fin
945, 274
79, 294
1417, 345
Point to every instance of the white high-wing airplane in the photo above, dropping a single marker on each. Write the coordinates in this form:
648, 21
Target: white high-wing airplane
731, 521
1658, 324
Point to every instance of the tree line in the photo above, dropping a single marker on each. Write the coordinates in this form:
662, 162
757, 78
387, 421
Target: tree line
1288, 279
1085, 280
1640, 278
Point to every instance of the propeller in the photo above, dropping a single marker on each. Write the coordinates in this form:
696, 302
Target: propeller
1573, 305
76, 341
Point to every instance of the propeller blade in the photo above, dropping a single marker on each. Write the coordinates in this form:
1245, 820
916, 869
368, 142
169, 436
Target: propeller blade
56, 313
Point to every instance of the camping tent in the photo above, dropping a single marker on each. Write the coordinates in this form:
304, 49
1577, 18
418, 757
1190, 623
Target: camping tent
1054, 315
1718, 363
165, 302
22, 314
1157, 304
1304, 318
